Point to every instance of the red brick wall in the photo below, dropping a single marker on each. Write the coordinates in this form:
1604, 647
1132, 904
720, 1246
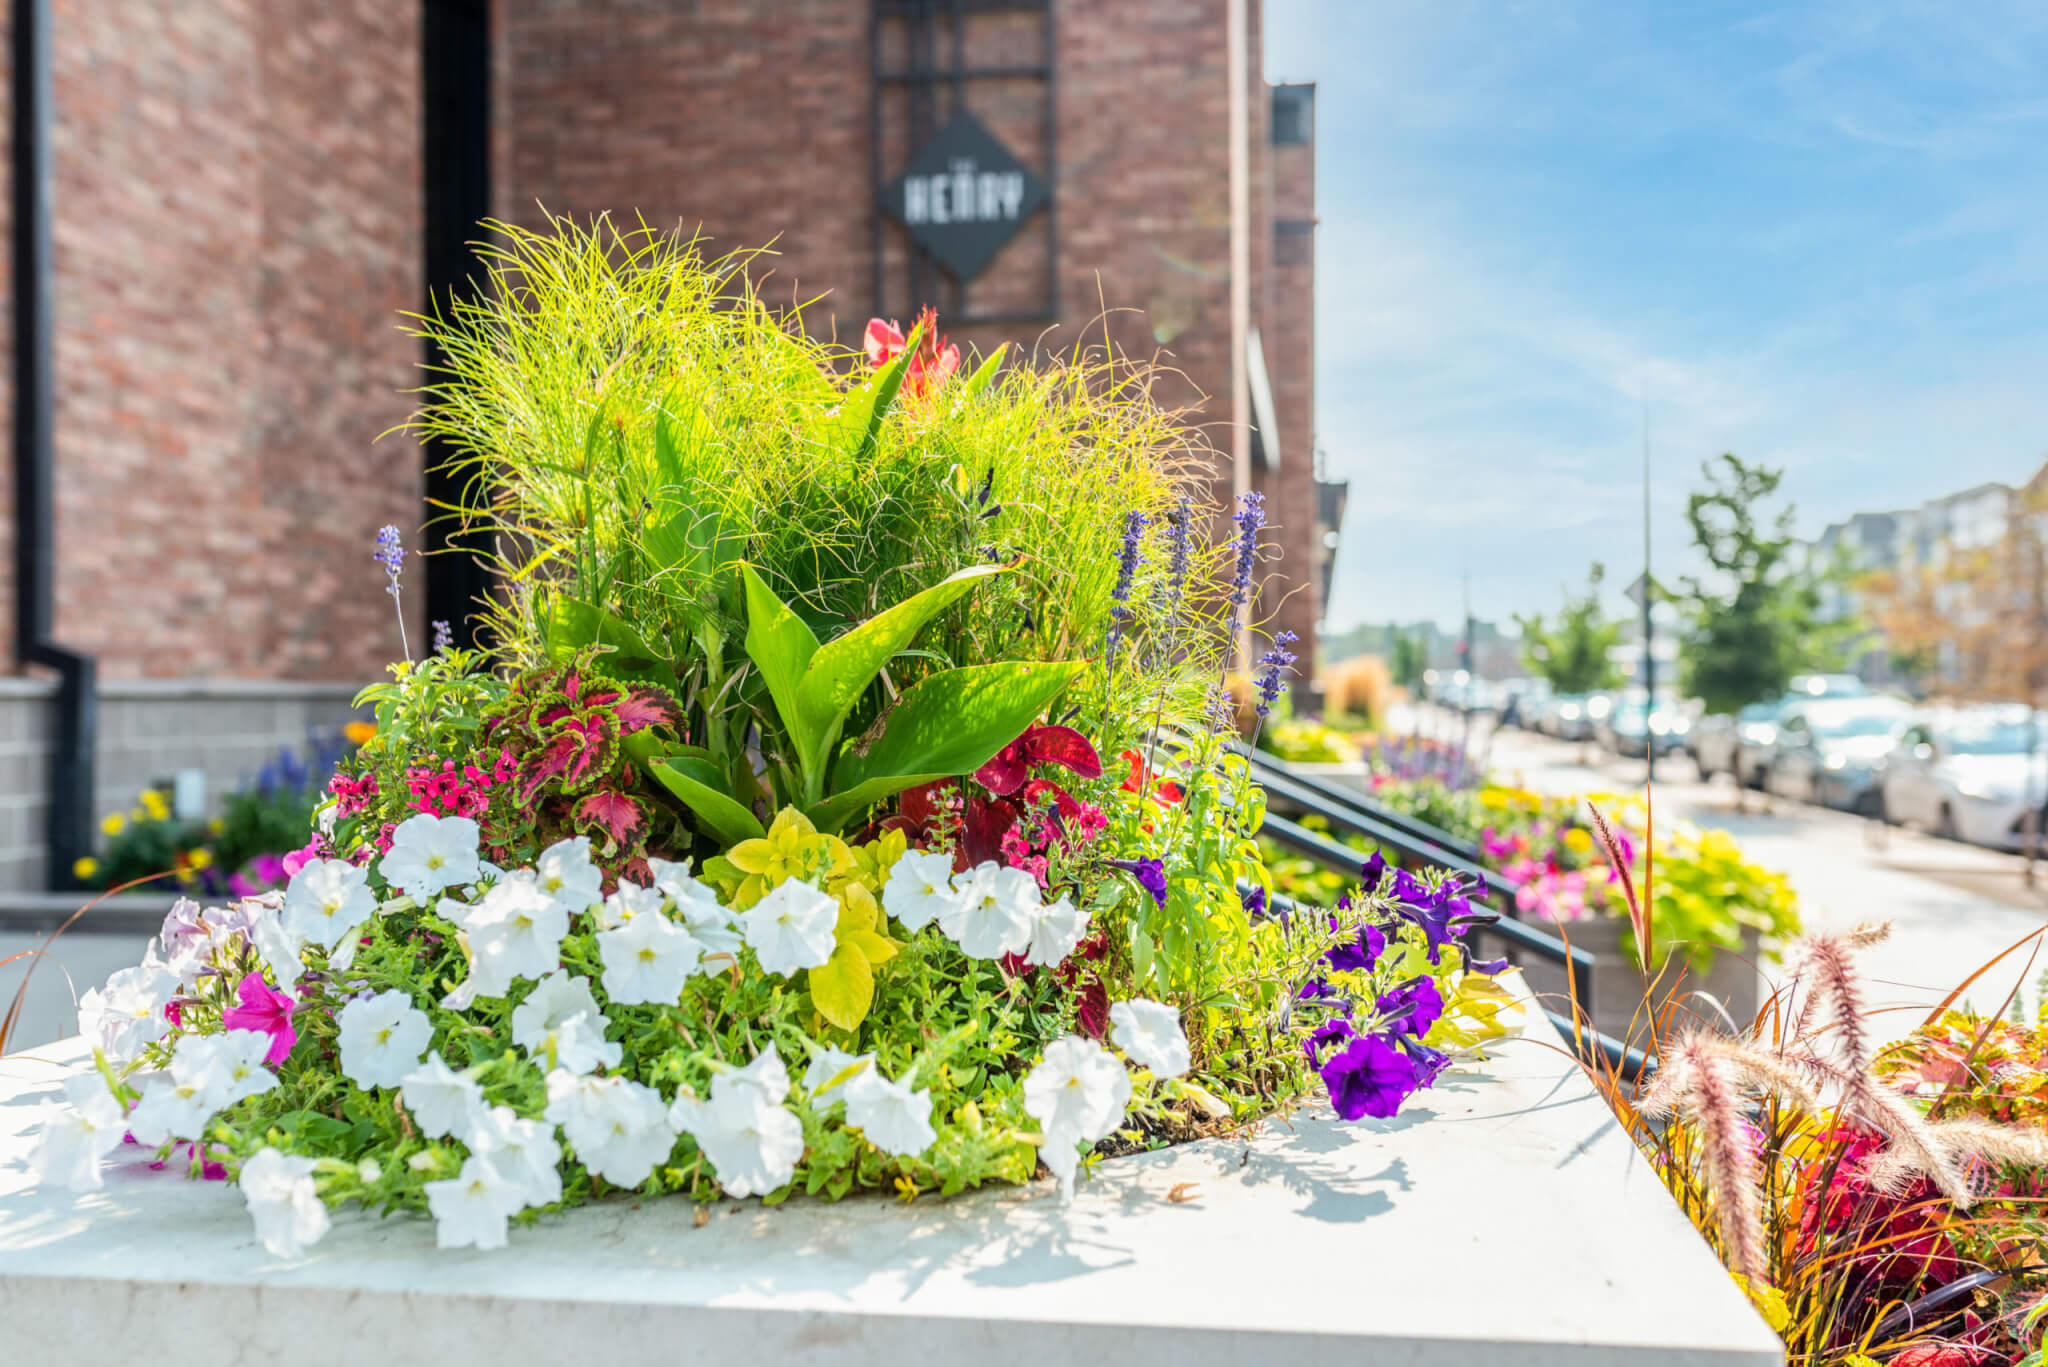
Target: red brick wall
236, 228
749, 118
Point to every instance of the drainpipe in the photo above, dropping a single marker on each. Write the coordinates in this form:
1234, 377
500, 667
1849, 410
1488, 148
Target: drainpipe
69, 831
1239, 131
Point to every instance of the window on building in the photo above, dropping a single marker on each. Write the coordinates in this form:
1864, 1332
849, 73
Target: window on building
1294, 108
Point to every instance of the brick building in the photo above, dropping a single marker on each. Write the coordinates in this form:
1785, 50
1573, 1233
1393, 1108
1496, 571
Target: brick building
245, 196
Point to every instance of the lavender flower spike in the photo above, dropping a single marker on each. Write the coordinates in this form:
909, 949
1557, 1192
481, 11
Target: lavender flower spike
1274, 663
1127, 559
390, 553
444, 639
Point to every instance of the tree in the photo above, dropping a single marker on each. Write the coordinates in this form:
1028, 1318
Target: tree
1410, 659
1575, 655
1760, 621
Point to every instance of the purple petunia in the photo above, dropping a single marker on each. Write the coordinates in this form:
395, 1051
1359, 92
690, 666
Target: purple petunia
1150, 873
1323, 1036
1358, 956
1369, 1077
1412, 1007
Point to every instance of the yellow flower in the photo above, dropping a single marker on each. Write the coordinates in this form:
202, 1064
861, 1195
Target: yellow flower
200, 858
114, 824
1769, 1302
1578, 841
793, 848
85, 869
360, 733
153, 803
216, 826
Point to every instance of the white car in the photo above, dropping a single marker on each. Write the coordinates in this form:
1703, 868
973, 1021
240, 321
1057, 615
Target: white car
1966, 774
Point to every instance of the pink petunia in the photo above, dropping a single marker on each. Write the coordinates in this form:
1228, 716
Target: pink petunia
264, 1008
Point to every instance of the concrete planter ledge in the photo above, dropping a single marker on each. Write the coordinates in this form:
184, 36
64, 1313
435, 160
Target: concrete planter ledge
1501, 1219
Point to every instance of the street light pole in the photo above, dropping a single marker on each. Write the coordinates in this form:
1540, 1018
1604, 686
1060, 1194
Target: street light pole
1649, 654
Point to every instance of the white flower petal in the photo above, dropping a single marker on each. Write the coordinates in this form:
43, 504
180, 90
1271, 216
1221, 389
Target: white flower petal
284, 1202
995, 912
1149, 1032
920, 889
429, 854
382, 1039
794, 927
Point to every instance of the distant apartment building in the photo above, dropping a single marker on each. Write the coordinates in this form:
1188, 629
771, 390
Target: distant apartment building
1921, 540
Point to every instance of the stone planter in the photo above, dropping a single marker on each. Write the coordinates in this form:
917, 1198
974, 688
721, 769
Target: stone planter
1501, 1218
1618, 987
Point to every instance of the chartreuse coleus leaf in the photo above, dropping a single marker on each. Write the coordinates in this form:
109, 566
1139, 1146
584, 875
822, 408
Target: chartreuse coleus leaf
843, 988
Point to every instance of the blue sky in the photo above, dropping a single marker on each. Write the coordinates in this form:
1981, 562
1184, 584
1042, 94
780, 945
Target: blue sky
1815, 234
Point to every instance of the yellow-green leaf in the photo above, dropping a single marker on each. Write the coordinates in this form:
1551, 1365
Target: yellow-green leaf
843, 987
877, 948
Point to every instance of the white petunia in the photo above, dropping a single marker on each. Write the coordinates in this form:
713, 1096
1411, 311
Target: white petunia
225, 1068
753, 1143
920, 889
127, 1015
382, 1038
326, 899
1056, 932
829, 1063
278, 948
716, 926
1077, 1093
648, 959
1149, 1032
618, 1128
442, 1101
171, 1108
78, 1133
524, 1151
795, 926
894, 1118
995, 912
283, 1201
429, 854
515, 931
566, 873
562, 1014
766, 1076
471, 1210
629, 901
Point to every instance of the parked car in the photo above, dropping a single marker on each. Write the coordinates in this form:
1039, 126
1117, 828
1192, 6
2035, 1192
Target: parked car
1572, 716
1826, 686
1738, 745
1632, 724
1966, 774
1829, 750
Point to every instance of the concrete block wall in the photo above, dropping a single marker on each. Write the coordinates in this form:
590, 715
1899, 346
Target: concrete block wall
149, 729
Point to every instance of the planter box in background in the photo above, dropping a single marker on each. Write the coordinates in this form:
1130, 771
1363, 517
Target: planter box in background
1618, 986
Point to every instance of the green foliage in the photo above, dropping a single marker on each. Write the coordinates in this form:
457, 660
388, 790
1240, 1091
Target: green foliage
1574, 653
1704, 894
1410, 659
1308, 742
1758, 622
789, 544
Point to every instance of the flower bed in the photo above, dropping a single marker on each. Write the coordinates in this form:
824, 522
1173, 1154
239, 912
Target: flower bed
774, 849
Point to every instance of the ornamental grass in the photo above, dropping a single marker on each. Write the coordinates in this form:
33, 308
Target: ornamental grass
842, 805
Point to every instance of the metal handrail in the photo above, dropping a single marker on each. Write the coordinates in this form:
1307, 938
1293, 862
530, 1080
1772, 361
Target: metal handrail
1264, 765
1333, 854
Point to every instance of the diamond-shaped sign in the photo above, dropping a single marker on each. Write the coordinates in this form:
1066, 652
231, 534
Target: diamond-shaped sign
963, 196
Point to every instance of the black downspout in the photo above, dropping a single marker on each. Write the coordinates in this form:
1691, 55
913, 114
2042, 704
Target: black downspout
69, 834
456, 170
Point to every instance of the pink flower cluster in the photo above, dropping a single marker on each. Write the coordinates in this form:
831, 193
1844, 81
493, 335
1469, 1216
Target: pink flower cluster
1027, 844
353, 796
449, 791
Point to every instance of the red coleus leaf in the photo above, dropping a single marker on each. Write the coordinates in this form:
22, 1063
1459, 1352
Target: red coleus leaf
982, 825
1040, 792
1061, 745
573, 753
638, 711
617, 814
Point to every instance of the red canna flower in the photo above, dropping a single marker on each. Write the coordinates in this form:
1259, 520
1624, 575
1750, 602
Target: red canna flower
935, 361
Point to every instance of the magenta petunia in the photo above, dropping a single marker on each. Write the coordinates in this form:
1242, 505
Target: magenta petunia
264, 1008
